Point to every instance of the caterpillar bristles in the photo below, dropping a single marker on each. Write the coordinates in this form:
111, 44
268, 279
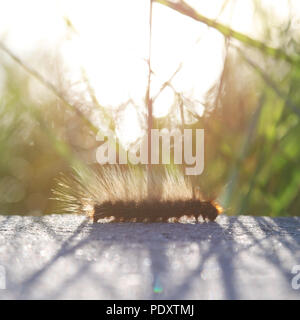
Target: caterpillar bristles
121, 194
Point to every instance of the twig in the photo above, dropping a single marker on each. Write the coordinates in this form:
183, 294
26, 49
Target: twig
149, 104
167, 83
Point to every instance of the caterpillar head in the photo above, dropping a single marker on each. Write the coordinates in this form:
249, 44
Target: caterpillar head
210, 210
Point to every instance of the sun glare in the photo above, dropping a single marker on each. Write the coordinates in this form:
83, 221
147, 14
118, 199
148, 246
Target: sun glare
112, 43
109, 40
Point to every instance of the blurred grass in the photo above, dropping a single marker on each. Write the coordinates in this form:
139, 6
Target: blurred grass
251, 122
187, 10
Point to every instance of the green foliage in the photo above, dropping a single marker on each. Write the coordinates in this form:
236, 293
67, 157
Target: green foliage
251, 122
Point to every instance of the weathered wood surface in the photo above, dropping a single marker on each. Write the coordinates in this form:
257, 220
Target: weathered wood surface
64, 256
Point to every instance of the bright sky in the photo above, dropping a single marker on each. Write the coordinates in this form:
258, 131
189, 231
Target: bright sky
111, 45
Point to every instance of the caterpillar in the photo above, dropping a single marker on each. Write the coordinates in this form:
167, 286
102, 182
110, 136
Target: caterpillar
119, 193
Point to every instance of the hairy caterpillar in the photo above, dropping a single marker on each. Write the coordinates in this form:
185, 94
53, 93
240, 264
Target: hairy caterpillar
121, 194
